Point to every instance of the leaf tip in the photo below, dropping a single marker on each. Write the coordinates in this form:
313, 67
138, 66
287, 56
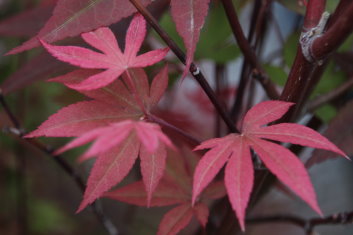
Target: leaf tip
81, 207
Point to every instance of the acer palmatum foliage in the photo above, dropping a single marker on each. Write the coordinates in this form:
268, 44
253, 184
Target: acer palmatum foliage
234, 149
189, 17
115, 120
112, 60
174, 189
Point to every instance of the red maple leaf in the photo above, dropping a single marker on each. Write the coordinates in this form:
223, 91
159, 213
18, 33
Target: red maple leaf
235, 149
114, 119
173, 189
113, 60
189, 17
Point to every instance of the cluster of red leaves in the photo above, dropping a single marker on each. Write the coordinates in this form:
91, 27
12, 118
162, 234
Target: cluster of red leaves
173, 189
115, 118
189, 17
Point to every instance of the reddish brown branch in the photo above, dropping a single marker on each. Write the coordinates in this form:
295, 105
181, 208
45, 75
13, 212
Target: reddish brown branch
335, 35
236, 109
302, 70
305, 74
307, 225
193, 140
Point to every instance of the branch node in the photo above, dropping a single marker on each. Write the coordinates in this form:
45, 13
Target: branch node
196, 71
308, 37
13, 130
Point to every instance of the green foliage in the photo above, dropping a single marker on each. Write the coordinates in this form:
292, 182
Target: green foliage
276, 73
48, 218
326, 112
290, 48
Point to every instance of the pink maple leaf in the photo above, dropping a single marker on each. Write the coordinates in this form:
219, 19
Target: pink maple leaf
174, 189
189, 17
118, 146
235, 149
113, 119
113, 60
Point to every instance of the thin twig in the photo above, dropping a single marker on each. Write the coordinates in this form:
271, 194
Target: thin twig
219, 81
194, 70
19, 132
8, 111
245, 70
164, 123
307, 225
248, 53
324, 99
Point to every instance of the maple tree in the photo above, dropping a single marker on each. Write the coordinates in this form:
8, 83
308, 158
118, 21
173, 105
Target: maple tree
200, 149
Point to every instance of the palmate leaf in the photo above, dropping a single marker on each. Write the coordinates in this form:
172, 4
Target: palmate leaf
235, 149
113, 60
114, 121
73, 17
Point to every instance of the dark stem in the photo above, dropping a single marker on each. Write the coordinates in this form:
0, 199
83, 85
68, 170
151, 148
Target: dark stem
194, 70
21, 192
324, 99
307, 225
219, 81
243, 43
18, 131
236, 111
193, 140
8, 111
245, 70
249, 54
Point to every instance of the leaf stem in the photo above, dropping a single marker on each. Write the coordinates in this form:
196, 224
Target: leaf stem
166, 124
249, 54
194, 70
